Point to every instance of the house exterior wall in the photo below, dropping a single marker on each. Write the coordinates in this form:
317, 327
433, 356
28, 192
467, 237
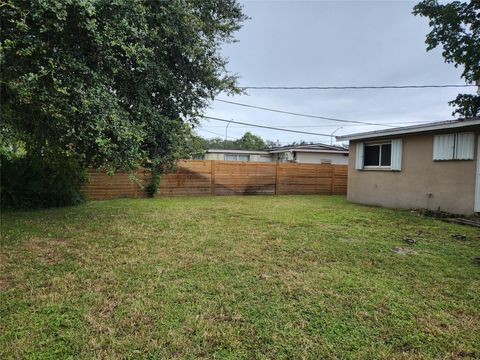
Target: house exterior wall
260, 158
302, 157
214, 156
317, 158
422, 183
253, 157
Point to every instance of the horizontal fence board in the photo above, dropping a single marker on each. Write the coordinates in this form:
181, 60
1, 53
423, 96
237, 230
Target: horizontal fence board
305, 181
212, 177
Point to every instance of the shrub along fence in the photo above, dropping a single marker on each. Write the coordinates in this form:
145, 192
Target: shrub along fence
213, 177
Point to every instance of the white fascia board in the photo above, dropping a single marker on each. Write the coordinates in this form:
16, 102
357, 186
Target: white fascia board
311, 151
410, 129
230, 151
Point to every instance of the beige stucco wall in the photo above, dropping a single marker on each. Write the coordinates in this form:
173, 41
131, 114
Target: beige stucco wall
422, 183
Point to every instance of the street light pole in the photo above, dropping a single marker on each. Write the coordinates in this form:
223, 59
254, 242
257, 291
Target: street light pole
331, 135
226, 132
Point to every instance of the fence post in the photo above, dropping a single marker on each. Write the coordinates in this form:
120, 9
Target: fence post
134, 188
333, 180
212, 177
276, 176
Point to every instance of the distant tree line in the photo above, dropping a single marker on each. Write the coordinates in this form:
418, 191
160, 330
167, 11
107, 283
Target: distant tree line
248, 141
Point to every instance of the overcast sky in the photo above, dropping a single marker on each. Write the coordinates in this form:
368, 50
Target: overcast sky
333, 43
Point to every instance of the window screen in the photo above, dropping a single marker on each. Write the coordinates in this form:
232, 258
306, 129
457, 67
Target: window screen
235, 157
386, 154
372, 155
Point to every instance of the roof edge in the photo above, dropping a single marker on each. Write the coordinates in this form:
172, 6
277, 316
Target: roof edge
345, 151
238, 151
439, 125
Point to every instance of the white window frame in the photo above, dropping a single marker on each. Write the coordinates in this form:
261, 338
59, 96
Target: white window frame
377, 167
395, 155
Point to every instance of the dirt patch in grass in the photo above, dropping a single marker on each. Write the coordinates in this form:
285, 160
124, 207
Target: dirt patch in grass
403, 251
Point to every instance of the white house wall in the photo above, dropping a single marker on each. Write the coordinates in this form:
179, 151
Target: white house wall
214, 156
302, 157
253, 157
317, 158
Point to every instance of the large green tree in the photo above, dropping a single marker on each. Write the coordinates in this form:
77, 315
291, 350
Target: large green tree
456, 26
116, 84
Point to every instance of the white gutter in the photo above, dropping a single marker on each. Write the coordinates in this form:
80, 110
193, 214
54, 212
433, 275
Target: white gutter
232, 151
311, 151
452, 124
269, 152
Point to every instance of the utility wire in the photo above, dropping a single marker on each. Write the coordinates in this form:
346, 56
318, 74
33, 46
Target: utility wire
265, 127
303, 115
214, 133
354, 87
324, 126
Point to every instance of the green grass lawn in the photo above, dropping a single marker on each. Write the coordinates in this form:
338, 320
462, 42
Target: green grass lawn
236, 277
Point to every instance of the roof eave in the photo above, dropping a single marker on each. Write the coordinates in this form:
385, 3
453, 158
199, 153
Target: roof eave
410, 130
237, 151
311, 151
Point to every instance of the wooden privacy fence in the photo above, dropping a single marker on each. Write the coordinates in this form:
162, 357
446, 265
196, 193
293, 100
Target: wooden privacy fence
212, 177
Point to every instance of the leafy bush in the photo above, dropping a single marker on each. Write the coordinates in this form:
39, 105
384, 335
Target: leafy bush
36, 182
152, 187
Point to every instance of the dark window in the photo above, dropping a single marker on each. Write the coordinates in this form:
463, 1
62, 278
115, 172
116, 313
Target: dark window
372, 155
378, 155
386, 153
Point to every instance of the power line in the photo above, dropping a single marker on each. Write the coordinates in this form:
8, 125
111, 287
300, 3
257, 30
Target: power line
303, 115
355, 87
265, 127
215, 133
208, 131
323, 126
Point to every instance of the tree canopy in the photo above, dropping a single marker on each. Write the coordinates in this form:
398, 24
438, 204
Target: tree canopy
115, 84
456, 26
248, 141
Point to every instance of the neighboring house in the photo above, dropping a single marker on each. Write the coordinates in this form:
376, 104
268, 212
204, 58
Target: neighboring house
238, 155
434, 166
316, 154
